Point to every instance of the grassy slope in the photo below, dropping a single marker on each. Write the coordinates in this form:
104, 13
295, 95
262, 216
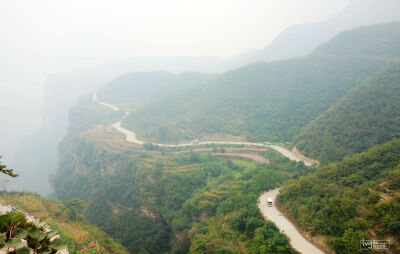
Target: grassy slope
82, 237
368, 115
356, 198
270, 101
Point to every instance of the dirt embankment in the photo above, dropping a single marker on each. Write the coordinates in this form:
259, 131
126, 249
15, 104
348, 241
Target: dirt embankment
296, 152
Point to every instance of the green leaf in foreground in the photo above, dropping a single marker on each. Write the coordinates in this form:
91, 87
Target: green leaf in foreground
24, 250
13, 242
58, 244
33, 232
2, 240
19, 233
45, 251
41, 236
52, 233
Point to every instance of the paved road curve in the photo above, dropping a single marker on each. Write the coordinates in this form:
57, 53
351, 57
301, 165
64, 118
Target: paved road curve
271, 213
298, 242
131, 137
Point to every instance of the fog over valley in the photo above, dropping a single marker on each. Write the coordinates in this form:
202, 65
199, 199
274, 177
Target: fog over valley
195, 127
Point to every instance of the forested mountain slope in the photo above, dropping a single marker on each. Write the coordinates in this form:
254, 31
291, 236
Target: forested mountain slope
138, 88
62, 91
157, 200
163, 201
357, 198
378, 43
154, 203
271, 101
368, 115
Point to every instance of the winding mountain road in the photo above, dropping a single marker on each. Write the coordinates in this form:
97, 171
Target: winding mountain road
298, 242
131, 137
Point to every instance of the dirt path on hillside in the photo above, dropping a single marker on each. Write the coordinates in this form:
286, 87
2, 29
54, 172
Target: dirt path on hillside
226, 149
292, 156
250, 156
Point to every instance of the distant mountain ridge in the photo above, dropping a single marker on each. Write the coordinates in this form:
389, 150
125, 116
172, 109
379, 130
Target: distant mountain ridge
271, 101
300, 40
138, 88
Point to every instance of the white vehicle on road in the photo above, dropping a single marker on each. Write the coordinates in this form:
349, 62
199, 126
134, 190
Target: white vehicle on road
267, 144
269, 202
299, 243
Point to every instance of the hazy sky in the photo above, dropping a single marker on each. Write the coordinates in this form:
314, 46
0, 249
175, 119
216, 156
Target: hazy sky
122, 28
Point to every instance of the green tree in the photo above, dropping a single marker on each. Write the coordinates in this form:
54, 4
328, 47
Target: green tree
74, 207
7, 171
394, 179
